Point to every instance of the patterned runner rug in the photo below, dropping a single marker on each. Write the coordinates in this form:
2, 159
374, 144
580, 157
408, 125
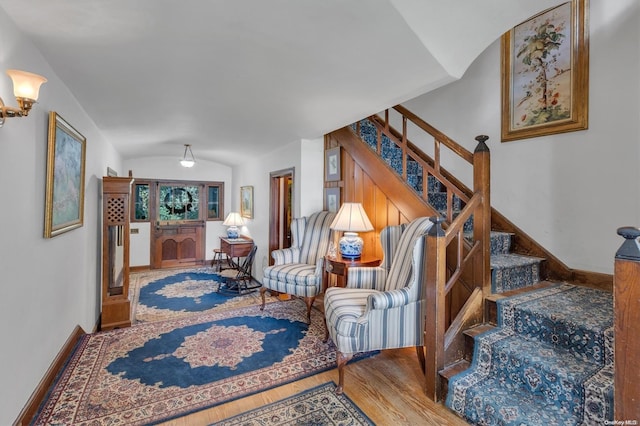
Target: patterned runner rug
166, 294
156, 371
549, 362
319, 406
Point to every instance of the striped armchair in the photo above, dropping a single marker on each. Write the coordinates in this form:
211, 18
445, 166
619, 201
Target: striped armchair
298, 269
381, 307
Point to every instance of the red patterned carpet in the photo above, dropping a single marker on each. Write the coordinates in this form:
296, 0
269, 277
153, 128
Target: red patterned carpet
155, 371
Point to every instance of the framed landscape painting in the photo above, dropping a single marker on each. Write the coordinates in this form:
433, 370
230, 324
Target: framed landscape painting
246, 201
545, 73
64, 203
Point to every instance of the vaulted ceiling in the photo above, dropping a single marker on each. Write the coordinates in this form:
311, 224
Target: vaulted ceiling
238, 76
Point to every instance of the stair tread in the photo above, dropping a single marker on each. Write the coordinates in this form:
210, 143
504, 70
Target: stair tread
454, 369
545, 355
478, 329
507, 260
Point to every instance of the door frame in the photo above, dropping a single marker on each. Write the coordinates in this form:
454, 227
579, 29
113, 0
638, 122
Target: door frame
280, 218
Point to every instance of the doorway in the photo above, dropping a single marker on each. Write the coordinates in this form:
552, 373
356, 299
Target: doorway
280, 209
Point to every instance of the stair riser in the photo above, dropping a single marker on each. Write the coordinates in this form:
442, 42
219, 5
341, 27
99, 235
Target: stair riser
524, 372
579, 341
505, 279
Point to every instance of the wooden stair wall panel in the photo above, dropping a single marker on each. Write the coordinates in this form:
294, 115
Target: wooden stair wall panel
386, 199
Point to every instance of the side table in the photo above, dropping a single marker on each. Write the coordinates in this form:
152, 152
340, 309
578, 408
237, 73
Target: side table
339, 267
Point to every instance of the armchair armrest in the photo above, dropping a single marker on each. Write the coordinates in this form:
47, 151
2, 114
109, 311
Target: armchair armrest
373, 278
389, 299
287, 255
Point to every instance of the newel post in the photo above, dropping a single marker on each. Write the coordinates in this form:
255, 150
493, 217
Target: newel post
435, 277
482, 215
626, 308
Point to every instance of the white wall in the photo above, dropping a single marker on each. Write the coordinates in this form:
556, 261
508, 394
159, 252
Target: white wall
570, 191
48, 285
307, 158
170, 168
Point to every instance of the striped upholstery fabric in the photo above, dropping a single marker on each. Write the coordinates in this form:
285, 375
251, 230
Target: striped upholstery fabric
382, 308
298, 270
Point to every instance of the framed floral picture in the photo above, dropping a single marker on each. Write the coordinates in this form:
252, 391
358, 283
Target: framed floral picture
332, 164
545, 73
64, 202
246, 201
332, 199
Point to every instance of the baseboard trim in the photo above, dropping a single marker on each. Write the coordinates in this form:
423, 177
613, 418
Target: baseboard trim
38, 395
139, 268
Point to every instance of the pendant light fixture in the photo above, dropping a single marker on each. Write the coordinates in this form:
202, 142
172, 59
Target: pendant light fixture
188, 160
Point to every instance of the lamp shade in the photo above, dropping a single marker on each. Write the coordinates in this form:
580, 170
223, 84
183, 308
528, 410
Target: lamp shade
352, 218
25, 84
233, 219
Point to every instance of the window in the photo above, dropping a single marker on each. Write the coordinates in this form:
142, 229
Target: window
214, 201
141, 202
168, 201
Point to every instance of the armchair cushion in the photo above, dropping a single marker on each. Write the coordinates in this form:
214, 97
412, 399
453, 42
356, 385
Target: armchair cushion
367, 277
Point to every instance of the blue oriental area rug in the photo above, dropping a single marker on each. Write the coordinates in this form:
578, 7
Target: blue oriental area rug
160, 295
156, 371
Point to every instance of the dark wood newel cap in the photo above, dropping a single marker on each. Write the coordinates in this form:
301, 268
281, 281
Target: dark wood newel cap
629, 249
482, 146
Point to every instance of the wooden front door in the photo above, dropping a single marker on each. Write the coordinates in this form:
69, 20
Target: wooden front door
178, 244
178, 237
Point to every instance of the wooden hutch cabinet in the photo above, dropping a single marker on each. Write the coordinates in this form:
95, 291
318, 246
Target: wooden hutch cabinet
116, 307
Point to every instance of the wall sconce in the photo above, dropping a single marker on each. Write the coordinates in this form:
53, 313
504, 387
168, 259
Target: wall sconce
352, 219
26, 87
188, 160
233, 220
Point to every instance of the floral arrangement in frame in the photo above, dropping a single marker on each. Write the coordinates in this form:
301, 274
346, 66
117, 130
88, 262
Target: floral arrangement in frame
545, 73
332, 199
246, 201
332, 164
64, 203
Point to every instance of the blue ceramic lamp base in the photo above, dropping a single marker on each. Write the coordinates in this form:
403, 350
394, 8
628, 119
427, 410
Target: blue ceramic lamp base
351, 245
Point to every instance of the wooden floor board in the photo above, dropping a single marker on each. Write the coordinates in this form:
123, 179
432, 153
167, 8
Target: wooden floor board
387, 387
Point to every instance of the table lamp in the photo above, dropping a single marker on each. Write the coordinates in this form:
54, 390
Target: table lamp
351, 219
233, 220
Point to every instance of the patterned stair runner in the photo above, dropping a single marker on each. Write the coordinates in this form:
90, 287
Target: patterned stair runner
549, 362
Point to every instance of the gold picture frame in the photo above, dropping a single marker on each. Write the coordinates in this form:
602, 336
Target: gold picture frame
64, 203
246, 201
545, 73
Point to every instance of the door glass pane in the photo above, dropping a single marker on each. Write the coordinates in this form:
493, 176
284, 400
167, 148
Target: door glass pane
141, 202
213, 202
178, 203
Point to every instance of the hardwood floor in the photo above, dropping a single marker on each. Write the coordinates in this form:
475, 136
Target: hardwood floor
387, 388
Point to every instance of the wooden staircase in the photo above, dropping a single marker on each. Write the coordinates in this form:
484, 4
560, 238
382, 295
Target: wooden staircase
459, 284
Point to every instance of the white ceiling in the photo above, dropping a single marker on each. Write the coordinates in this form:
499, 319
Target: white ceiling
238, 76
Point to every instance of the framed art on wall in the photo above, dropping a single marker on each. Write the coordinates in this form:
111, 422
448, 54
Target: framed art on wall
332, 199
545, 73
64, 203
246, 201
332, 164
